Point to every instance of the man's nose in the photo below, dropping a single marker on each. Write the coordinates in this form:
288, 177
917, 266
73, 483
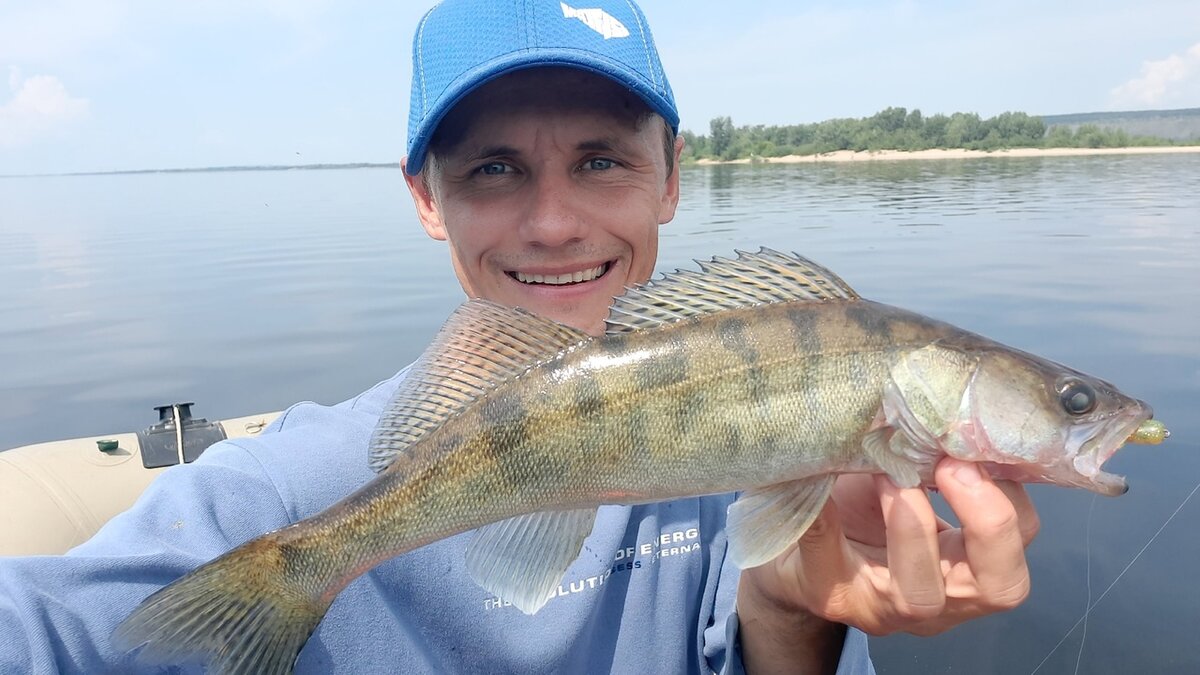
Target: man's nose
553, 217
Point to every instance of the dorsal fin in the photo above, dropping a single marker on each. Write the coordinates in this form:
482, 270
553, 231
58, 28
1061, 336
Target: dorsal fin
480, 346
752, 279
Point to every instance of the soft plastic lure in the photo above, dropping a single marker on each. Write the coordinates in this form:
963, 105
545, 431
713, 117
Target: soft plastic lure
1150, 432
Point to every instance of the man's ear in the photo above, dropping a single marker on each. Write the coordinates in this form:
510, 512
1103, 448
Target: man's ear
670, 198
427, 208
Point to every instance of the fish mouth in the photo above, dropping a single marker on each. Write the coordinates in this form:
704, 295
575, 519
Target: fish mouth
1092, 444
564, 278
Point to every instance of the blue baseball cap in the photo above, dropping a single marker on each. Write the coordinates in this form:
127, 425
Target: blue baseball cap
462, 44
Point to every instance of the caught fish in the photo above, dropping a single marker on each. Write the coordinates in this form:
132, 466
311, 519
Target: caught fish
764, 374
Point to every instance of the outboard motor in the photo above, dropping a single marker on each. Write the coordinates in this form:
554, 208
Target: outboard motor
176, 428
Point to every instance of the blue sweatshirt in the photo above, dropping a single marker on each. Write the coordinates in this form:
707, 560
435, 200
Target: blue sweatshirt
651, 591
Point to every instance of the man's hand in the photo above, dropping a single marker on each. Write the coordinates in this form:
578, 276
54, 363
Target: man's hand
878, 558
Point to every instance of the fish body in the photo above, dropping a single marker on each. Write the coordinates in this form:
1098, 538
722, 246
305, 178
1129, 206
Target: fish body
766, 375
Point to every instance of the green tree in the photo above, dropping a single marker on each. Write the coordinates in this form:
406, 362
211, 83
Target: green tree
899, 129
914, 121
836, 134
694, 147
933, 133
1060, 137
889, 119
962, 129
720, 131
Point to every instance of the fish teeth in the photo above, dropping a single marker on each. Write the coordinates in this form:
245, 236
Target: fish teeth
561, 279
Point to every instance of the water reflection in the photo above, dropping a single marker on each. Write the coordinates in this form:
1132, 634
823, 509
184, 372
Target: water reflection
248, 291
1089, 261
720, 185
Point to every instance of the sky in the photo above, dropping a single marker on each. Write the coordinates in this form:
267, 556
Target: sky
100, 85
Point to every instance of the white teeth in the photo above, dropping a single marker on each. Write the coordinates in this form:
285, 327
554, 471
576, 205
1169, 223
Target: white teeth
560, 279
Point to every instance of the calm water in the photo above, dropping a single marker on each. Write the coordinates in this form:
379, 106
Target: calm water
248, 291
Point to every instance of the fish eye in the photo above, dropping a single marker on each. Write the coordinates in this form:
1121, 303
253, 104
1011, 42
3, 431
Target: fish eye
1078, 398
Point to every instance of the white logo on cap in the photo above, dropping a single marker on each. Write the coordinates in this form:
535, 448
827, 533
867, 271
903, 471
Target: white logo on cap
598, 20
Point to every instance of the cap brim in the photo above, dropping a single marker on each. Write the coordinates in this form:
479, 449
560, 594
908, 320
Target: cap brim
532, 58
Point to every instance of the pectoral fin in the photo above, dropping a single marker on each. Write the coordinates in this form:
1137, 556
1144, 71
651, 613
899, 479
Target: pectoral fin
522, 559
899, 443
763, 522
883, 447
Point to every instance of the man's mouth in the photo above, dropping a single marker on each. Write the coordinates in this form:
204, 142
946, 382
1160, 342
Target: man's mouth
576, 277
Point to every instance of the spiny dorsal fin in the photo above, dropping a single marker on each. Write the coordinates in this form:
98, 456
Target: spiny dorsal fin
752, 279
481, 345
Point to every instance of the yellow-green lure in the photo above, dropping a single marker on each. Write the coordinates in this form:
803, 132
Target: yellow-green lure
1150, 432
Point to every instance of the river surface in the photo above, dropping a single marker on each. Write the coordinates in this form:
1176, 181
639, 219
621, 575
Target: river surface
248, 291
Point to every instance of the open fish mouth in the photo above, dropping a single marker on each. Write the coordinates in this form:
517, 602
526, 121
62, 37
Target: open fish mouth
1092, 444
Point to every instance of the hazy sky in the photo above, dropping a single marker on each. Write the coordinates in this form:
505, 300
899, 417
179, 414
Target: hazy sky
122, 84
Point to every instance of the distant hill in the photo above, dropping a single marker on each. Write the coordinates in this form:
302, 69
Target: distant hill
1177, 125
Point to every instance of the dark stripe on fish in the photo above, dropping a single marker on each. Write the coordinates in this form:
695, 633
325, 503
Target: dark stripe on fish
804, 321
687, 410
732, 332
587, 398
870, 320
668, 369
506, 414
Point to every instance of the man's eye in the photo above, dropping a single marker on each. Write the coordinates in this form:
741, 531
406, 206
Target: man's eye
493, 169
600, 164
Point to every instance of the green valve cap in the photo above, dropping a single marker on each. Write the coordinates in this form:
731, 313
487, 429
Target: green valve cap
106, 445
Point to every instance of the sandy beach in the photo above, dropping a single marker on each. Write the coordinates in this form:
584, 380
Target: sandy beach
957, 153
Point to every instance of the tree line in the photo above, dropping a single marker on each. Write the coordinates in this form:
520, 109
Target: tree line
900, 129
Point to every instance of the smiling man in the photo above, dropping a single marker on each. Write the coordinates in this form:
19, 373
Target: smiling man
548, 164
549, 185
543, 150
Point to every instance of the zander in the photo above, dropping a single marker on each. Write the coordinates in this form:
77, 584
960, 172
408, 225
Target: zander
765, 374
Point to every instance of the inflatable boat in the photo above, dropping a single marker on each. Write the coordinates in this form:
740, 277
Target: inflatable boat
54, 496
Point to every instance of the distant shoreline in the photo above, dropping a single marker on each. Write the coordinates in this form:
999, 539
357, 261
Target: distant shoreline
837, 156
952, 153
216, 169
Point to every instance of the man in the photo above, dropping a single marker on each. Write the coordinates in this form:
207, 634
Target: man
542, 149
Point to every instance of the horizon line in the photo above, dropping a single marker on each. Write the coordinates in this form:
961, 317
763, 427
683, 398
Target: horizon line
199, 169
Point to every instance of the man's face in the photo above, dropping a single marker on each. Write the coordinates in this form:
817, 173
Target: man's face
550, 190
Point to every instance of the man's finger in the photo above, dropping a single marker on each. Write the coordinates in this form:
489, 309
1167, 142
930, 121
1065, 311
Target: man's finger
993, 540
1027, 517
913, 558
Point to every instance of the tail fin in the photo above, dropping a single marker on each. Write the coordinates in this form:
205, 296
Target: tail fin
245, 612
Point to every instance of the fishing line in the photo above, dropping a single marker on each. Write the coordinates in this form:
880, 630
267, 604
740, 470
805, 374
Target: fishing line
1087, 605
1114, 582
